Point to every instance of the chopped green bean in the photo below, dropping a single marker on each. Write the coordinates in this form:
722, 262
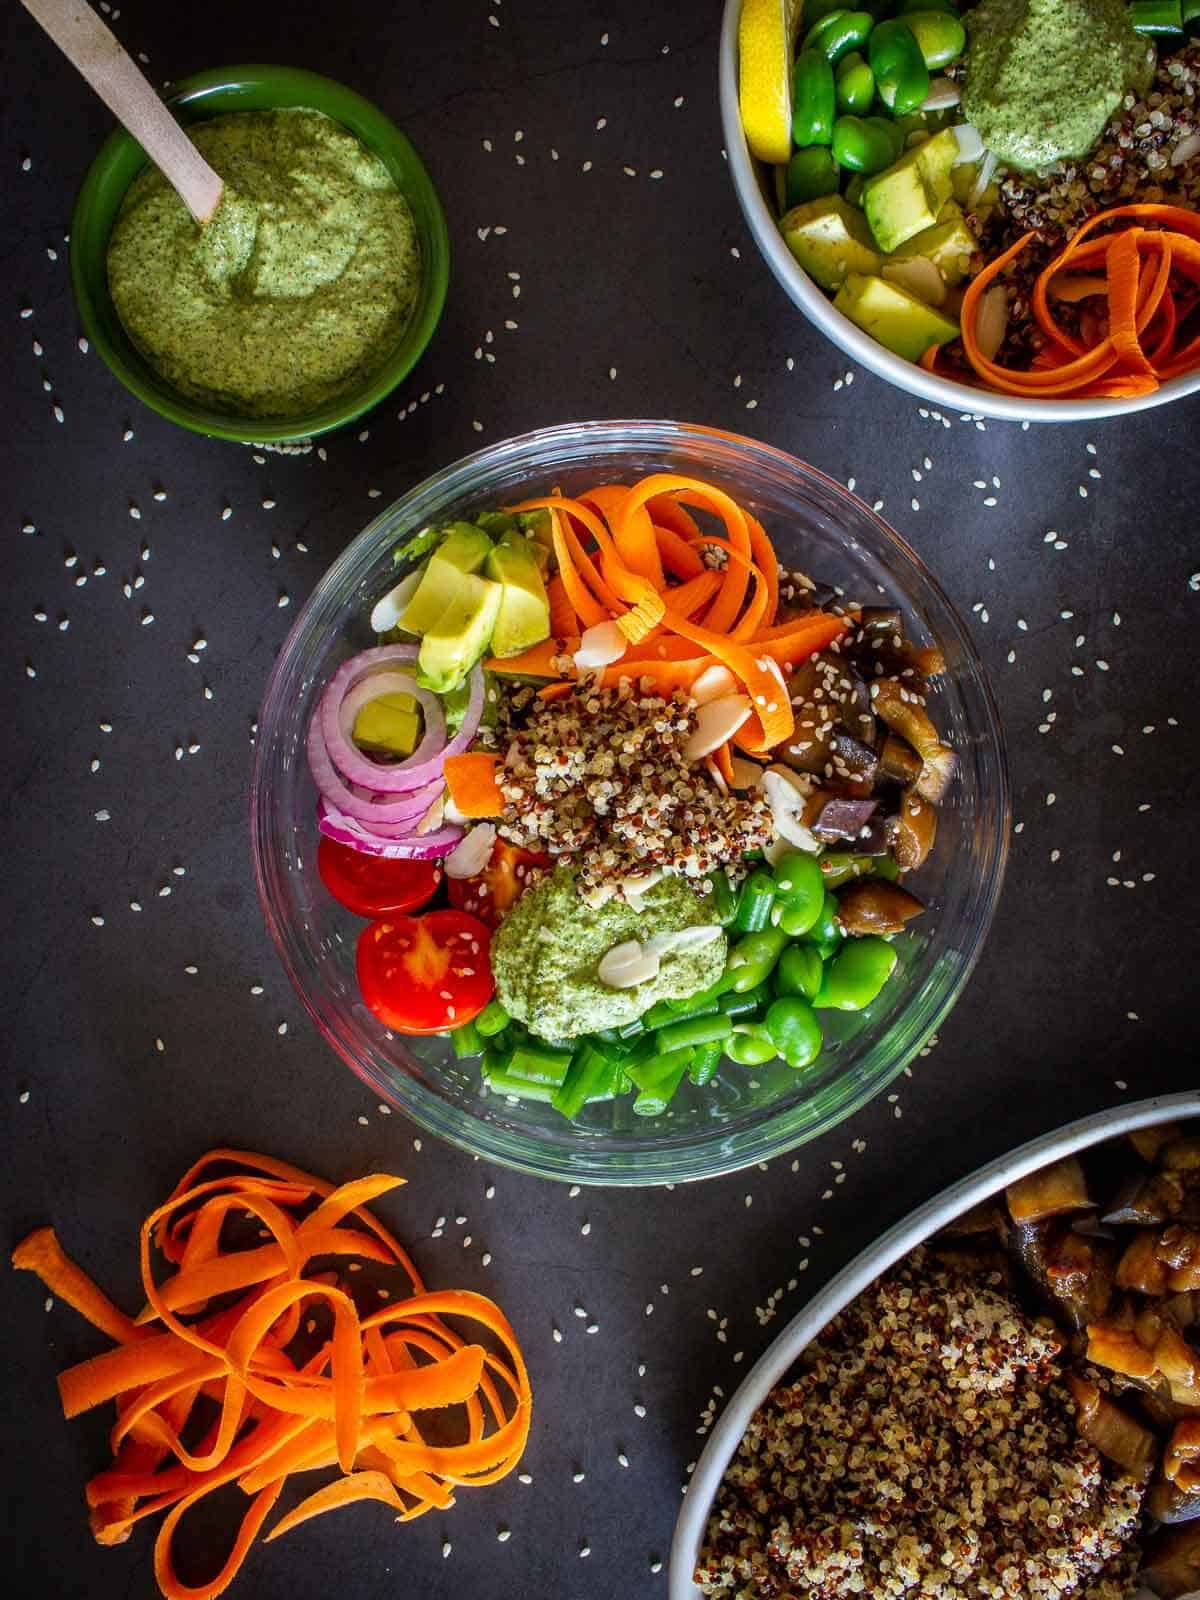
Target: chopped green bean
591, 1076
466, 1041
540, 1063
658, 1079
696, 1030
746, 1004
705, 1062
755, 902
724, 899
519, 1088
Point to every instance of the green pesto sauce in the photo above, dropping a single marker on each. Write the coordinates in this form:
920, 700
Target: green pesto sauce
1044, 76
295, 292
546, 952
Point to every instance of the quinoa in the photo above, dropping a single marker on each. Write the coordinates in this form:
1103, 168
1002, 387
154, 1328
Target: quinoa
926, 1447
599, 778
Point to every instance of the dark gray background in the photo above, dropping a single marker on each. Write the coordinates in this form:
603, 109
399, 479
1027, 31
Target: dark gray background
640, 296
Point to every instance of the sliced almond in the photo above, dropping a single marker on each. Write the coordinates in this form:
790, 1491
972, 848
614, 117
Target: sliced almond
472, 852
745, 773
626, 965
786, 798
943, 93
716, 723
391, 608
993, 321
714, 683
601, 645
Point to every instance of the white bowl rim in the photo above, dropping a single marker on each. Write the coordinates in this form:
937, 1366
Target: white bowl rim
862, 1271
816, 305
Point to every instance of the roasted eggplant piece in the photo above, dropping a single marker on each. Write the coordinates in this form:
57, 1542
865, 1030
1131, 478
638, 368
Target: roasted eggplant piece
1074, 1274
826, 691
1140, 1268
986, 1217
1179, 1251
854, 761
904, 714
1181, 1460
1149, 1141
899, 762
1049, 1192
1182, 1155
1153, 1198
913, 831
1172, 1567
1168, 1503
843, 819
876, 906
1120, 1350
1112, 1431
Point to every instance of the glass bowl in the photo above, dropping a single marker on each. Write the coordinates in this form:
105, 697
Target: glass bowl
753, 185
212, 94
746, 1114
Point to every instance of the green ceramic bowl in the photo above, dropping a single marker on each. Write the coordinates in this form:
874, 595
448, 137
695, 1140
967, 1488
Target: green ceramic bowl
211, 94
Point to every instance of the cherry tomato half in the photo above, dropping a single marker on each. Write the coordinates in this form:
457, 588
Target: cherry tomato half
492, 892
375, 886
425, 974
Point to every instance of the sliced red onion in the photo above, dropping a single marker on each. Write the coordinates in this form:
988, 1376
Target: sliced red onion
383, 777
345, 830
409, 807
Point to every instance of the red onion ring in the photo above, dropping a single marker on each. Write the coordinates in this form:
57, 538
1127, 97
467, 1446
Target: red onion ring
409, 807
352, 679
417, 847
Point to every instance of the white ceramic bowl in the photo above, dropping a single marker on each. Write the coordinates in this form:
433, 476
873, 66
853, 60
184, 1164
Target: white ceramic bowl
771, 1366
751, 184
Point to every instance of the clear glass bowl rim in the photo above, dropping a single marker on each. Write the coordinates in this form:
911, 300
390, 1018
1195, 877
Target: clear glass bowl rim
776, 1133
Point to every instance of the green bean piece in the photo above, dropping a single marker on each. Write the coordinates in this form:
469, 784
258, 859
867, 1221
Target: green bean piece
592, 1075
941, 37
630, 1030
799, 890
751, 1045
540, 1063
1157, 18
466, 1041
497, 1053
724, 899
901, 76
857, 974
813, 99
1190, 12
752, 959
793, 1027
705, 1062
799, 971
811, 173
839, 35
492, 1019
755, 902
511, 1083
745, 1005
854, 83
664, 1012
658, 1079
697, 1030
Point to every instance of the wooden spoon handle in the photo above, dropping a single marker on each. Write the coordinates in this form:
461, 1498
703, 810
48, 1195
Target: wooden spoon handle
95, 51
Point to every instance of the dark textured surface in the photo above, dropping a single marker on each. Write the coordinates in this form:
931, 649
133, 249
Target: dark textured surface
639, 296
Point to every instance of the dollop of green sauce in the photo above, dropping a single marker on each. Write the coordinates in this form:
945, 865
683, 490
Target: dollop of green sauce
1044, 76
546, 952
298, 288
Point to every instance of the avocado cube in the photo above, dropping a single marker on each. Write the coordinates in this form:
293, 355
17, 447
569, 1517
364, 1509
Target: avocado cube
464, 550
388, 724
899, 321
524, 615
949, 244
455, 642
908, 196
829, 239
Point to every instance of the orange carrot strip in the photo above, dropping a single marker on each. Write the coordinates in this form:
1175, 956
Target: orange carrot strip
586, 606
605, 602
795, 643
676, 553
666, 510
723, 761
540, 660
556, 691
164, 1566
40, 1252
633, 536
346, 1491
346, 1200
1124, 266
471, 780
757, 670
563, 619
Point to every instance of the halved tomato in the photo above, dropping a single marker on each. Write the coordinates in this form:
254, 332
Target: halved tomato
374, 886
425, 974
492, 892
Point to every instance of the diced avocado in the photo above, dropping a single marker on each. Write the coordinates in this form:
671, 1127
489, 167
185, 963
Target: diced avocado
496, 523
908, 196
524, 615
451, 647
464, 550
949, 244
829, 239
896, 318
389, 724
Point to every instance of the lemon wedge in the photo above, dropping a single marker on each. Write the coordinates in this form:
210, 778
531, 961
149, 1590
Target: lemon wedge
766, 39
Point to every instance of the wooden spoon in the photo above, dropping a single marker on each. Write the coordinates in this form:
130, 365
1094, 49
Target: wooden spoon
94, 50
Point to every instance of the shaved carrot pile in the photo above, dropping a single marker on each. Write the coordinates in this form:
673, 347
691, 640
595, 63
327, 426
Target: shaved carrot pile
636, 556
1150, 279
288, 1376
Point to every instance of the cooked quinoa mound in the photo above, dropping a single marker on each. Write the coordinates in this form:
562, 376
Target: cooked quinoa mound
926, 1448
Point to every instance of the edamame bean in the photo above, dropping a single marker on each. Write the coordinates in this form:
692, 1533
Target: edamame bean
492, 1019
799, 882
755, 902
811, 173
941, 38
842, 866
856, 974
840, 33
854, 83
799, 971
752, 959
814, 100
888, 127
861, 147
901, 76
825, 930
827, 20
751, 1045
793, 1027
